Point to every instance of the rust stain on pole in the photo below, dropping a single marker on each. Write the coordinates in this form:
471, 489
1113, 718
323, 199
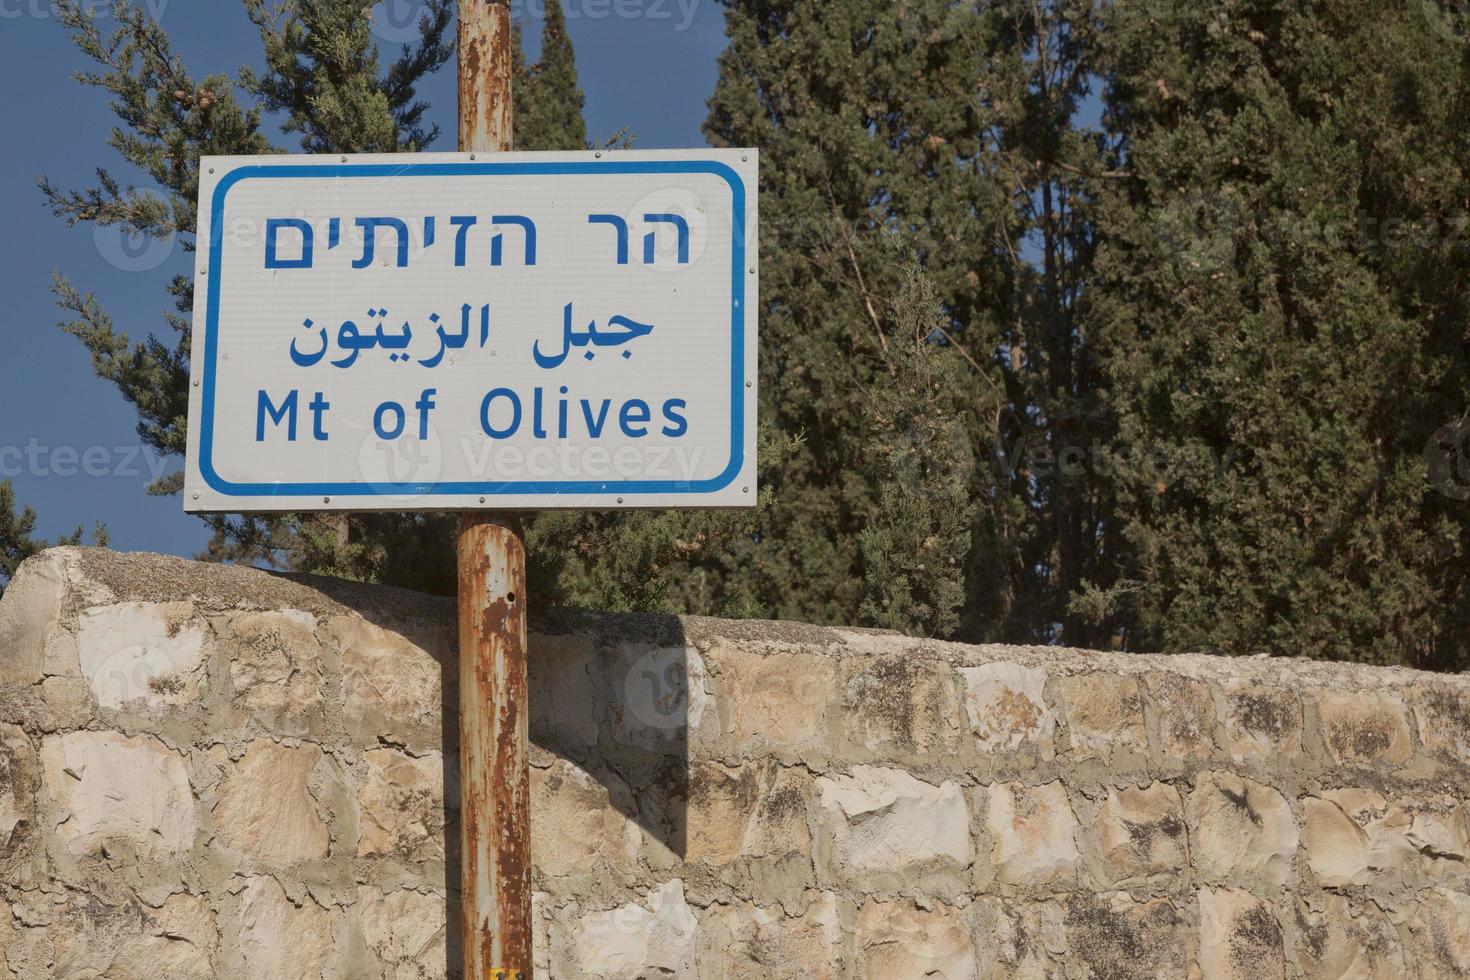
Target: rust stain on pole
496, 787
495, 793
484, 75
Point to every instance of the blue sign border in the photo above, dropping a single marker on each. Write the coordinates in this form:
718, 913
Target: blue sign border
530, 488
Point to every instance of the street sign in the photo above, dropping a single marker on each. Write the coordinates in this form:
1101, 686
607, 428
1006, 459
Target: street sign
446, 331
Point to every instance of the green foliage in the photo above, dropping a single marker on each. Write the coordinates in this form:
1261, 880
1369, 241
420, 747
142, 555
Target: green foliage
915, 547
16, 543
547, 99
322, 73
1281, 306
872, 123
168, 120
1160, 379
323, 79
951, 128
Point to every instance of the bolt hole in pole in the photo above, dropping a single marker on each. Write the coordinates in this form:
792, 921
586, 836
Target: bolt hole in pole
495, 793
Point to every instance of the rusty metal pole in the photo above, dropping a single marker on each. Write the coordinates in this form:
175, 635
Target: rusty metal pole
495, 792
484, 76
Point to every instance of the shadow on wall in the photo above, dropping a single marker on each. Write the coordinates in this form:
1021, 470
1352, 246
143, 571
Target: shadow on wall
613, 696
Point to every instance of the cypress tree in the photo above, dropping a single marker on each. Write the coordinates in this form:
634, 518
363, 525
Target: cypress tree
548, 101
949, 129
1281, 304
872, 123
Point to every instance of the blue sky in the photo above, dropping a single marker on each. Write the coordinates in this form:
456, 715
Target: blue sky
67, 439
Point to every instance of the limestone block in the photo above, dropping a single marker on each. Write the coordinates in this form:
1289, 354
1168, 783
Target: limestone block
583, 823
1104, 714
1439, 936
29, 612
1034, 830
280, 938
405, 930
1141, 831
1186, 713
1442, 712
1263, 725
275, 665
900, 703
659, 696
151, 652
1118, 936
1343, 942
777, 703
402, 806
20, 778
565, 709
884, 820
1364, 726
1439, 830
1239, 937
264, 809
1337, 849
654, 938
7, 934
1030, 940
898, 941
1354, 836
1006, 707
540, 935
752, 942
391, 688
107, 787
779, 827
69, 702
177, 940
722, 800
1240, 827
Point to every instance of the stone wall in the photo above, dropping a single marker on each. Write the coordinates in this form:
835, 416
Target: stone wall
216, 772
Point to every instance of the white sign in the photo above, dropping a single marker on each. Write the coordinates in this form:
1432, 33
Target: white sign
446, 331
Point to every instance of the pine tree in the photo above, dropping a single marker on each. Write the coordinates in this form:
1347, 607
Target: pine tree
1281, 300
547, 99
16, 530
16, 543
322, 77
